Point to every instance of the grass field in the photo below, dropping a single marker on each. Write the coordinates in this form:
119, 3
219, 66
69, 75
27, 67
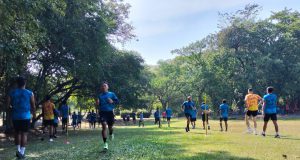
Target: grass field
151, 142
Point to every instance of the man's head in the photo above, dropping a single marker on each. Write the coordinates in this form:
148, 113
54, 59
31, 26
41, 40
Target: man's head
104, 87
250, 90
189, 98
270, 90
21, 82
203, 102
224, 100
48, 98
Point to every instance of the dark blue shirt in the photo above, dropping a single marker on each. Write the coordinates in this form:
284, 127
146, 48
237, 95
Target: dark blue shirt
169, 112
188, 106
156, 114
20, 101
64, 111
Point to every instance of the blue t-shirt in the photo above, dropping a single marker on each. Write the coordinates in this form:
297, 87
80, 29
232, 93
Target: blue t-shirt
56, 114
271, 103
103, 101
224, 110
204, 107
93, 117
79, 116
74, 117
20, 101
64, 110
194, 113
188, 106
169, 112
156, 114
141, 116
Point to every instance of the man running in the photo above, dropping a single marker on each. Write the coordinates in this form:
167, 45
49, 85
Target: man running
169, 115
223, 109
157, 117
74, 120
141, 122
64, 113
79, 119
21, 101
94, 119
270, 111
48, 116
252, 101
107, 102
56, 121
187, 107
205, 113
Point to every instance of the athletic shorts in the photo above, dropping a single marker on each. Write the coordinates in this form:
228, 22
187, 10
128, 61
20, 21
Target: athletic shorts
193, 119
79, 122
272, 116
252, 113
64, 120
21, 125
168, 118
203, 117
223, 119
48, 122
157, 119
107, 116
187, 115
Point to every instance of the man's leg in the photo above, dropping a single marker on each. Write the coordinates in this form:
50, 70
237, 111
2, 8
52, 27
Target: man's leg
104, 131
110, 130
276, 127
247, 122
255, 124
226, 126
221, 125
188, 123
23, 142
159, 123
18, 140
265, 128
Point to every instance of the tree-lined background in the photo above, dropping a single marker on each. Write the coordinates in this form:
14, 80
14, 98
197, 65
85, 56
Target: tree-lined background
65, 48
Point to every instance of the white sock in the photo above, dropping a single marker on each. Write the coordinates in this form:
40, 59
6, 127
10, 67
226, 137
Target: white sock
19, 148
22, 150
263, 132
277, 133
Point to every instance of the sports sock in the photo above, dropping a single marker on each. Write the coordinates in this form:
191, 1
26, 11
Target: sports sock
277, 133
18, 148
104, 140
263, 132
22, 150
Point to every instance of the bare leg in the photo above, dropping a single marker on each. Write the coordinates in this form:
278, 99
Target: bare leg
104, 131
221, 126
255, 123
276, 126
226, 126
265, 126
23, 139
247, 121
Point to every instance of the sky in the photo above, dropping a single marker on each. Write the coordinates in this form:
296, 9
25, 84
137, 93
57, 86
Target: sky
164, 25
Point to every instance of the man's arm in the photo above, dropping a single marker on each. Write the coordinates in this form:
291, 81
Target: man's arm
263, 107
32, 104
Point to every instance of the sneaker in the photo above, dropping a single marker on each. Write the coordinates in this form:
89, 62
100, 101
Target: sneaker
50, 140
111, 137
263, 134
186, 129
277, 136
105, 146
18, 154
255, 132
249, 131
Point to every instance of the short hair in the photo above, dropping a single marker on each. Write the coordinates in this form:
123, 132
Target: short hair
48, 97
224, 100
104, 82
270, 89
250, 90
203, 102
21, 81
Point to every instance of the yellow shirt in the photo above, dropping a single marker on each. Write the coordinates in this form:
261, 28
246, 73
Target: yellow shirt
252, 101
48, 108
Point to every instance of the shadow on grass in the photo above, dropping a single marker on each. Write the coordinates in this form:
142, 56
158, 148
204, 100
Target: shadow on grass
215, 155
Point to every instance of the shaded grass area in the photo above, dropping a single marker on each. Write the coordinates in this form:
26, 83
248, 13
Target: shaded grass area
132, 142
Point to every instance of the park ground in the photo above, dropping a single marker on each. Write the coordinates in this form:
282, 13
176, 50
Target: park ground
151, 142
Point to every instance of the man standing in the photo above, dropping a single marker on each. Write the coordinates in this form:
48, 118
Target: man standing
224, 108
205, 112
48, 116
270, 111
169, 115
252, 101
157, 118
21, 101
187, 107
107, 102
64, 111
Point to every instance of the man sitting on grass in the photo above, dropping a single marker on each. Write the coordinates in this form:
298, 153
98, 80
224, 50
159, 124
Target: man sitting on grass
270, 111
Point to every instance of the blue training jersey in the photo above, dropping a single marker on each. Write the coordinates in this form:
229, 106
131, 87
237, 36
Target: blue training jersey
64, 111
169, 112
224, 110
194, 113
156, 114
188, 106
271, 103
103, 101
20, 101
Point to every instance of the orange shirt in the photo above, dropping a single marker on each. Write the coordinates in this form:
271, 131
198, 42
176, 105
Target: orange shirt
252, 101
48, 108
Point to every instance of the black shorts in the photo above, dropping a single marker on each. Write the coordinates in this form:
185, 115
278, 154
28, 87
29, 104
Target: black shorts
223, 119
193, 119
168, 118
252, 113
21, 125
272, 116
48, 122
107, 116
203, 117
55, 124
187, 115
64, 120
157, 119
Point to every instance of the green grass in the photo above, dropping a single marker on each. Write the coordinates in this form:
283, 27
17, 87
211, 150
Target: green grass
151, 142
